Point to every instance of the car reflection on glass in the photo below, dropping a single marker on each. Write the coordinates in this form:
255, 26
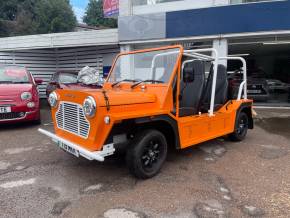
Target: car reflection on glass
277, 86
258, 89
68, 80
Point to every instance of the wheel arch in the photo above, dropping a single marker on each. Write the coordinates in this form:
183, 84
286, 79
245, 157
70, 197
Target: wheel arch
247, 108
163, 123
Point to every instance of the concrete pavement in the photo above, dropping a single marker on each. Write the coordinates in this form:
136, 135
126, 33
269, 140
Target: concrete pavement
215, 179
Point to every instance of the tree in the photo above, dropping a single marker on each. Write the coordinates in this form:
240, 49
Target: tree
94, 15
16, 17
22, 17
54, 16
3, 28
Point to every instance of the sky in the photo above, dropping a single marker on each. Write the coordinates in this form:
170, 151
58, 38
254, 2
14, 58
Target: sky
79, 7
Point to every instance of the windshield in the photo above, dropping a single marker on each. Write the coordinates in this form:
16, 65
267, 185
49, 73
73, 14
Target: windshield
13, 74
146, 66
66, 78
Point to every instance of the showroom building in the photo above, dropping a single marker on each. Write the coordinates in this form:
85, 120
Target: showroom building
257, 30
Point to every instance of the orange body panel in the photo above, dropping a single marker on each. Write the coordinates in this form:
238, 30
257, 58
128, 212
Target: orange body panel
124, 104
200, 128
147, 101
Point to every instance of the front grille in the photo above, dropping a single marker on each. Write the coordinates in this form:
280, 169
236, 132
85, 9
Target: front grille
12, 116
70, 117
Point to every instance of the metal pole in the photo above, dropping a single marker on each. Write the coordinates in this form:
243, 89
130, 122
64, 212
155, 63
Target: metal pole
130, 8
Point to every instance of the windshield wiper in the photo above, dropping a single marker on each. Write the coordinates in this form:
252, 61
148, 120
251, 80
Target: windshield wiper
93, 84
6, 82
20, 82
146, 81
124, 80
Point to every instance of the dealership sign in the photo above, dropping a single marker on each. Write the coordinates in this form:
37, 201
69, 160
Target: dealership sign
111, 8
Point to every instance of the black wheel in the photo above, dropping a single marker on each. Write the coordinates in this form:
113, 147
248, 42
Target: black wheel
147, 154
241, 128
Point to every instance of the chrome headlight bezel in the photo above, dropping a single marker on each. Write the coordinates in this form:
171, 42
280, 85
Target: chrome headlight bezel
89, 107
26, 96
53, 99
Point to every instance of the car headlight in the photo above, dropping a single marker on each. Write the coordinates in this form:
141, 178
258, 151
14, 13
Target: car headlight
89, 107
26, 96
52, 99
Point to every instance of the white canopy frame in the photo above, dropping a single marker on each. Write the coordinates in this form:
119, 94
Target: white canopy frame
199, 54
243, 85
215, 59
196, 53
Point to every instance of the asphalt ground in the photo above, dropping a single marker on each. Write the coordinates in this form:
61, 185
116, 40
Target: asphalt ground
214, 179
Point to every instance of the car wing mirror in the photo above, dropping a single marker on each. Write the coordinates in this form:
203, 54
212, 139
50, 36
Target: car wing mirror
38, 81
54, 83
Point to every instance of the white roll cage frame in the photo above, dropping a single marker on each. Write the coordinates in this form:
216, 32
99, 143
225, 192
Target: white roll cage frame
198, 55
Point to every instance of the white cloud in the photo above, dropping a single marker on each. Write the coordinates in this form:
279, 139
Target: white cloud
79, 12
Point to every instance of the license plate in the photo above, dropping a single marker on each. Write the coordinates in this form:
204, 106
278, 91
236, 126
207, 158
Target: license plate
69, 149
4, 110
254, 91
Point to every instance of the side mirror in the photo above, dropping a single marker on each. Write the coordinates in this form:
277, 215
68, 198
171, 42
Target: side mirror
54, 83
38, 81
188, 73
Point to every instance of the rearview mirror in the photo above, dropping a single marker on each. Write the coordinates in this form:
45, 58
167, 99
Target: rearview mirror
54, 83
188, 73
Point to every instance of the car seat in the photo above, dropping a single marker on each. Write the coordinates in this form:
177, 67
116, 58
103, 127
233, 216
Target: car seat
190, 93
221, 94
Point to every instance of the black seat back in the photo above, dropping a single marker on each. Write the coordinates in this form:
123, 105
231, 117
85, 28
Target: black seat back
191, 92
221, 94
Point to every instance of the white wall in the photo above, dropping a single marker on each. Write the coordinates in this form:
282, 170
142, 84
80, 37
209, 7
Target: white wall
175, 6
109, 58
221, 45
125, 7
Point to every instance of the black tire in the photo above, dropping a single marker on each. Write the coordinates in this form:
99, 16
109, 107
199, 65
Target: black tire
146, 154
241, 127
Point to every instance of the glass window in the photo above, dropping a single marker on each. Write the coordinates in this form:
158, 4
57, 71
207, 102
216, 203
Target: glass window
247, 1
152, 2
13, 74
67, 78
268, 79
151, 65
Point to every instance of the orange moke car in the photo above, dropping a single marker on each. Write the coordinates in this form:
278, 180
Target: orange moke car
153, 99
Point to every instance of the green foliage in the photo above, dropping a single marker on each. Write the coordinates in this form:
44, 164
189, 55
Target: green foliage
94, 15
54, 16
22, 17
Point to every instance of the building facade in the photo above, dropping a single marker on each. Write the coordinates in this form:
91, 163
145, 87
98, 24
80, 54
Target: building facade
258, 30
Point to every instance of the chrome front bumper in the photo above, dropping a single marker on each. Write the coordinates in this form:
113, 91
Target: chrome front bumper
90, 155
